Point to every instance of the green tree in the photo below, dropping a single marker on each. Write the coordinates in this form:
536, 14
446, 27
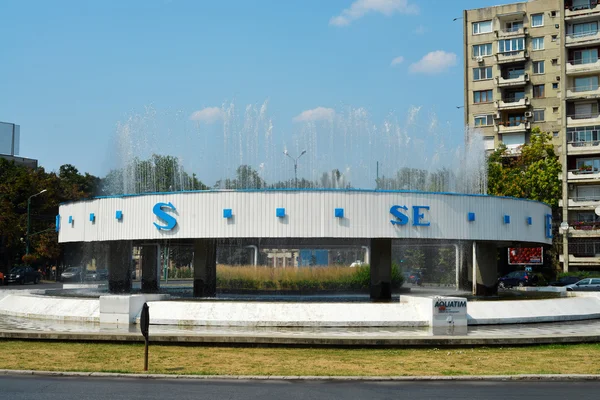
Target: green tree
156, 174
17, 184
533, 174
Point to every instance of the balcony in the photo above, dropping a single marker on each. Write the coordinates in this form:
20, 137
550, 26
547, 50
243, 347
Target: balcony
590, 202
512, 151
583, 92
510, 32
511, 103
519, 80
513, 56
583, 148
584, 229
514, 127
583, 9
583, 119
578, 175
583, 38
583, 66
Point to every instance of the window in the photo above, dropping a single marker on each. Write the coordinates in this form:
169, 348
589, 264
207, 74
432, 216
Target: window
553, 14
538, 91
582, 134
514, 26
482, 73
481, 50
513, 72
537, 43
538, 115
488, 143
585, 56
555, 110
555, 85
555, 133
511, 45
484, 120
585, 110
580, 5
482, 27
585, 29
586, 83
511, 96
537, 20
538, 67
482, 96
588, 164
554, 61
554, 38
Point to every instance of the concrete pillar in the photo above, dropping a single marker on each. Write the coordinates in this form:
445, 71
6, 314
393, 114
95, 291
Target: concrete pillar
465, 265
119, 267
381, 269
205, 268
150, 261
485, 269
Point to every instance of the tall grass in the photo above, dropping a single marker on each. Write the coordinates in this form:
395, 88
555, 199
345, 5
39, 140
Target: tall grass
249, 277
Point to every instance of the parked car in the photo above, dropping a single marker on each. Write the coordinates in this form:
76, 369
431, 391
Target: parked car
565, 280
357, 263
23, 275
97, 275
517, 278
585, 285
2, 278
413, 277
73, 274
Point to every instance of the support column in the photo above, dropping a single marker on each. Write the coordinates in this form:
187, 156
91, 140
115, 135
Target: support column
205, 268
485, 269
381, 269
150, 261
119, 267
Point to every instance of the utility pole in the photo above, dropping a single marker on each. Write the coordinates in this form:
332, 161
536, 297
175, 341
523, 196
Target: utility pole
29, 219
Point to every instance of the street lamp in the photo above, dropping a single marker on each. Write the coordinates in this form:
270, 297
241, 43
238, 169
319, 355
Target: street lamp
28, 217
295, 160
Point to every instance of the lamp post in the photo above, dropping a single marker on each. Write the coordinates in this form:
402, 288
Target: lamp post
28, 218
295, 160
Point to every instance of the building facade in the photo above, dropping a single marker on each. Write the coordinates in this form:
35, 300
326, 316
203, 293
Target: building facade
532, 64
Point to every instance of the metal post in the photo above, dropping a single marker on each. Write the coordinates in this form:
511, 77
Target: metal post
28, 224
28, 218
296, 173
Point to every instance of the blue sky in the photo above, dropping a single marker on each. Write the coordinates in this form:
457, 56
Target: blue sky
74, 73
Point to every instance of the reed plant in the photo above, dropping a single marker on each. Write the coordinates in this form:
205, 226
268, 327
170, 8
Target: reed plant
316, 278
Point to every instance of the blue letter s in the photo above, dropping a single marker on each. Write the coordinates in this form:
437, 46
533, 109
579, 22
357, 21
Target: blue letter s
160, 213
402, 219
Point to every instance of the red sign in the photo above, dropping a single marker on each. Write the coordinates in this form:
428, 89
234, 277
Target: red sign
525, 255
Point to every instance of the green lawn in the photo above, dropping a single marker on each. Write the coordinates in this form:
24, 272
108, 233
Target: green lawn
203, 360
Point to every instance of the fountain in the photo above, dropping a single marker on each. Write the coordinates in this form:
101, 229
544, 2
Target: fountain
201, 187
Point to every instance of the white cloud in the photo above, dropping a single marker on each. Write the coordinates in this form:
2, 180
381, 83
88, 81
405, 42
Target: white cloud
397, 61
434, 63
361, 7
420, 30
316, 114
208, 115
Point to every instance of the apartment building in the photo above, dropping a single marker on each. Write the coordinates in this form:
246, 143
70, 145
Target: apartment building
532, 64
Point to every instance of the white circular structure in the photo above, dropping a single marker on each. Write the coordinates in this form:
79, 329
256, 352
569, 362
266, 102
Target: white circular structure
342, 214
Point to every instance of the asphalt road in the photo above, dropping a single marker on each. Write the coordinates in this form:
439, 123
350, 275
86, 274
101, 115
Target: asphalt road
77, 388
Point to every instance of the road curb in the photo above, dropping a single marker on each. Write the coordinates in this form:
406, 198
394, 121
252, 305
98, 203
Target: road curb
462, 378
296, 340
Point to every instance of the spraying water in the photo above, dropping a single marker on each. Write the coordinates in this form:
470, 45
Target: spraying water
343, 149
